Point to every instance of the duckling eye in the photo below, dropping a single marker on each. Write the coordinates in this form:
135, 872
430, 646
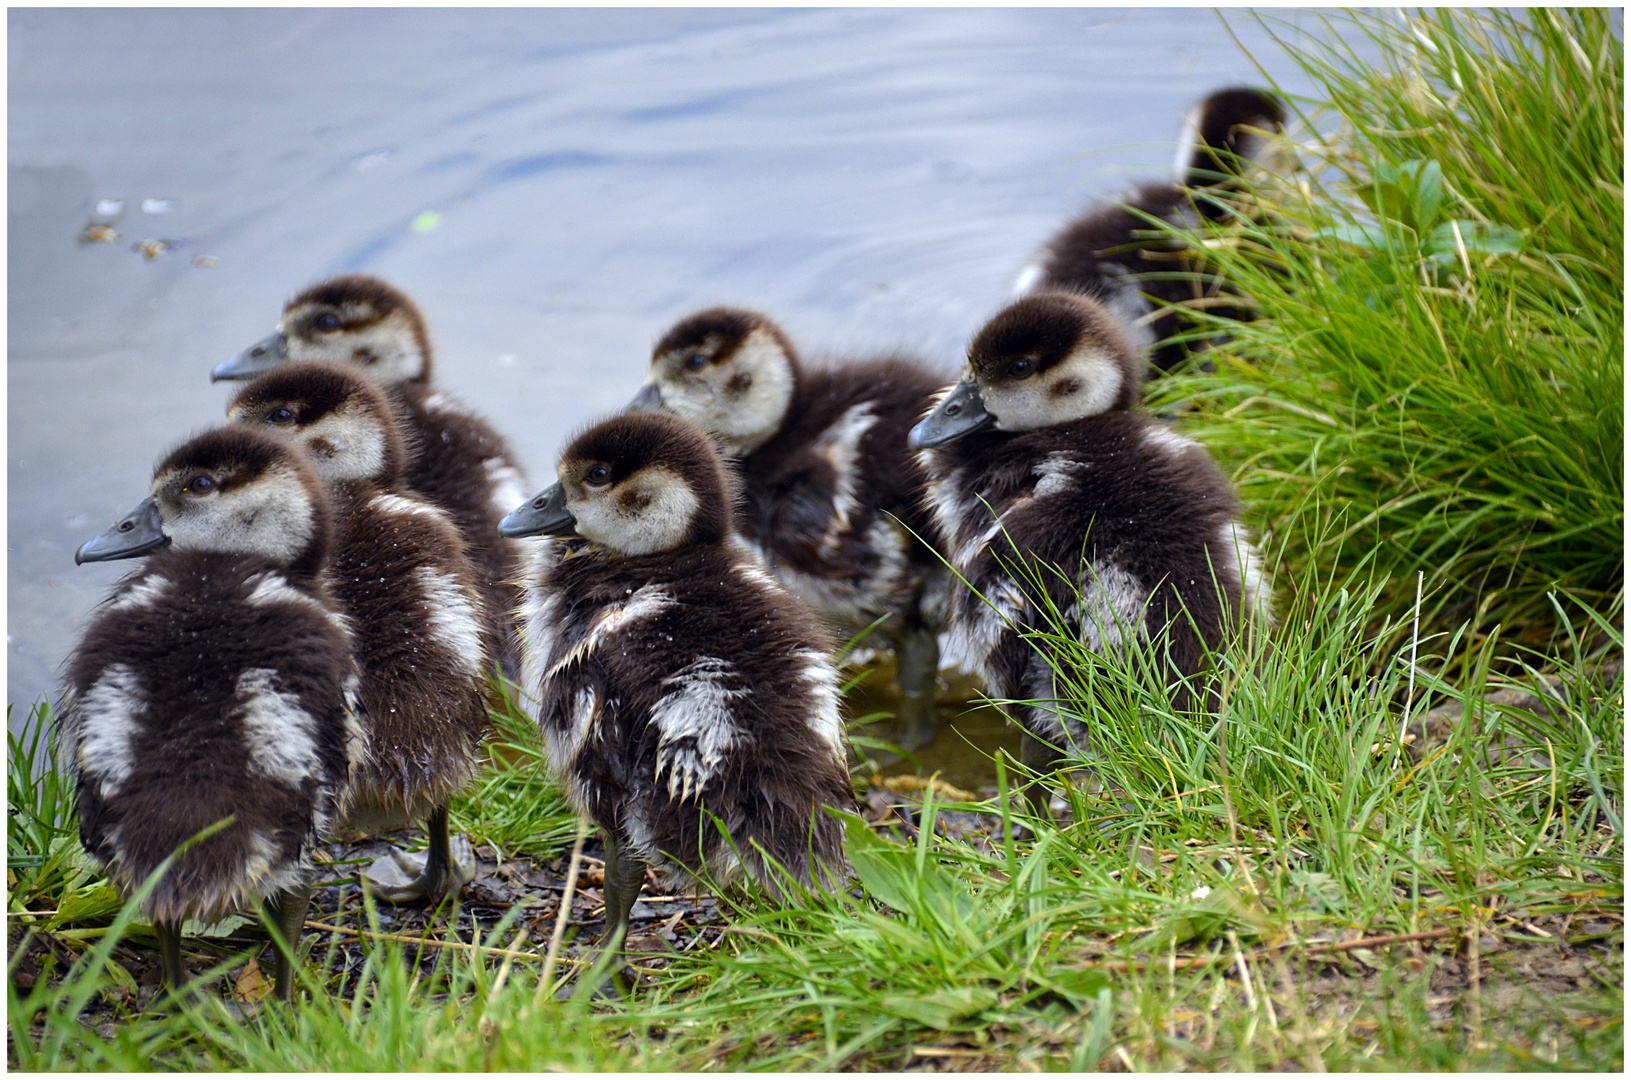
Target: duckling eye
695, 361
199, 485
598, 476
1018, 369
327, 321
280, 415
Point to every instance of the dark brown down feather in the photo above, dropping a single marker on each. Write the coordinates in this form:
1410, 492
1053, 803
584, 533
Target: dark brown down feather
176, 636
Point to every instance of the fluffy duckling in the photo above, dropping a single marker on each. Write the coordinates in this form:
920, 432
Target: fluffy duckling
674, 680
1110, 254
822, 457
215, 682
1039, 454
454, 458
401, 573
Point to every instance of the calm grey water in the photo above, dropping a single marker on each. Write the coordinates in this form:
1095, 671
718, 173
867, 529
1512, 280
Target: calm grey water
579, 180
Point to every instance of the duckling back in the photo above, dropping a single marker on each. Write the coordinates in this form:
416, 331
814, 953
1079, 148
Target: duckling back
401, 572
682, 684
210, 685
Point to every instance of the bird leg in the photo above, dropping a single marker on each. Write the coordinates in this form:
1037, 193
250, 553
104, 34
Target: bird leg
288, 912
624, 876
170, 954
917, 663
446, 865
1040, 758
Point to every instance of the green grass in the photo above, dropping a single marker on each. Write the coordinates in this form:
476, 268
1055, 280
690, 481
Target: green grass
1436, 373
1399, 406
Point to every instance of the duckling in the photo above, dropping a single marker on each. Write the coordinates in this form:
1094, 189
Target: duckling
455, 459
401, 573
822, 457
1111, 254
1040, 455
216, 682
673, 679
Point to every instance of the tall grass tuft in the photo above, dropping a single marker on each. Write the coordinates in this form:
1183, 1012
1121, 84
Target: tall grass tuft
1435, 373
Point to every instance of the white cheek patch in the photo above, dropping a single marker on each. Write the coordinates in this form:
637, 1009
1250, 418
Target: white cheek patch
270, 517
277, 731
392, 342
658, 519
742, 423
1090, 375
696, 726
455, 617
344, 446
106, 725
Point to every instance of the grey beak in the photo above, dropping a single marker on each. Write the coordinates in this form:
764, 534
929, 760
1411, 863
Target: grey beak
961, 413
545, 515
259, 358
649, 399
139, 532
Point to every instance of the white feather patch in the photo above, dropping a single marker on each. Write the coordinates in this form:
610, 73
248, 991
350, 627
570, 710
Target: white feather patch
1242, 556
508, 486
1030, 276
278, 732
398, 504
840, 445
648, 600
1112, 609
697, 710
1163, 438
107, 727
144, 594
455, 616
824, 718
1056, 473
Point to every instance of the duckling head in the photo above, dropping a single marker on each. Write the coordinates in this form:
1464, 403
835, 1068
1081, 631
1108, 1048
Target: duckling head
731, 372
1044, 360
339, 418
232, 491
1228, 130
637, 484
358, 321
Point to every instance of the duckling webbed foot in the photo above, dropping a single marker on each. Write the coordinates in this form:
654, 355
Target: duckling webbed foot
401, 877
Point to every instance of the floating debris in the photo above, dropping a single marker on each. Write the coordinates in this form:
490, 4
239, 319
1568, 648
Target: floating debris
155, 206
372, 161
110, 207
206, 262
98, 234
152, 248
426, 222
